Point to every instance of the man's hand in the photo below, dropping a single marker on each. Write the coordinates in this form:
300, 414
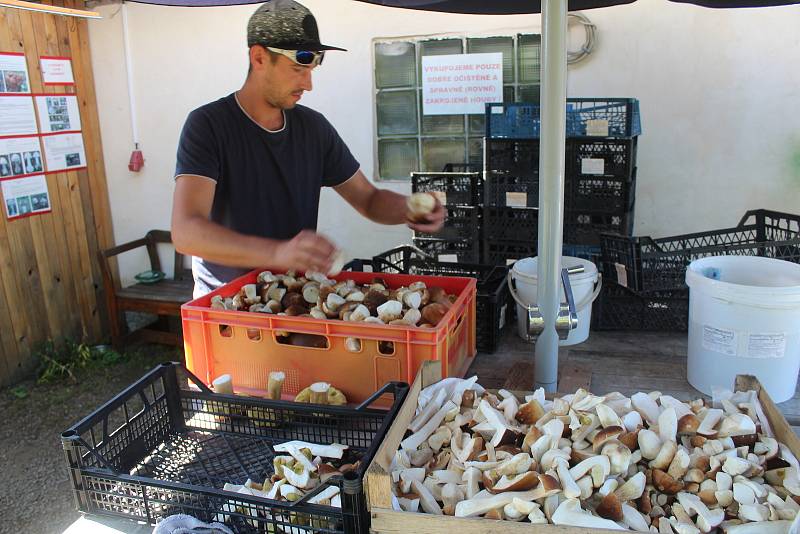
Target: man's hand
307, 251
430, 223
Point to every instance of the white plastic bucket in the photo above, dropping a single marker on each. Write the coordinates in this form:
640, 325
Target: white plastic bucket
744, 318
585, 288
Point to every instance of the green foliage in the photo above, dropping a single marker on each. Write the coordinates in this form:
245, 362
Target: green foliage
19, 392
58, 361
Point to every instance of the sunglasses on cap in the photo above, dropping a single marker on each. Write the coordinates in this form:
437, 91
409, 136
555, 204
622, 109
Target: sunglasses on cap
301, 57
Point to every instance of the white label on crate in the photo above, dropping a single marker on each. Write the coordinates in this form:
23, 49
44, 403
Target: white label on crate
511, 262
448, 257
622, 274
720, 340
597, 127
441, 196
502, 322
497, 110
517, 200
766, 345
593, 166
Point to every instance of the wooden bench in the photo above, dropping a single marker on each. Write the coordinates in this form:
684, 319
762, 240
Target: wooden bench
163, 298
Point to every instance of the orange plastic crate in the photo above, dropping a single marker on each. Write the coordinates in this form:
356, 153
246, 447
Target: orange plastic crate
244, 345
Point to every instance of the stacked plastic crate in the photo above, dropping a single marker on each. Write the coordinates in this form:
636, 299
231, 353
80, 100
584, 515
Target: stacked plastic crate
644, 284
461, 194
600, 176
491, 303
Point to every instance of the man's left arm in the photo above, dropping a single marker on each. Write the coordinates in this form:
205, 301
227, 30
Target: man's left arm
384, 206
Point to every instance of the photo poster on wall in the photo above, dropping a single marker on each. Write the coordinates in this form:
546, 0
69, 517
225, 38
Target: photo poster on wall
23, 197
64, 151
14, 73
20, 156
17, 116
58, 113
56, 70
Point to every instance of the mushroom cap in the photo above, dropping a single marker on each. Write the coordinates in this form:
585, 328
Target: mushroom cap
665, 483
606, 435
610, 508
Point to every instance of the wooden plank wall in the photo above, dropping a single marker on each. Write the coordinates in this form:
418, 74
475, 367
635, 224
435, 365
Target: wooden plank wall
50, 282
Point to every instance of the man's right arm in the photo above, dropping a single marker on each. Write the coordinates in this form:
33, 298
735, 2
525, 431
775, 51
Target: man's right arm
195, 234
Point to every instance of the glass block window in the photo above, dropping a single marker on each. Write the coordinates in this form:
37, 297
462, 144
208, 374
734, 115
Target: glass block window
410, 141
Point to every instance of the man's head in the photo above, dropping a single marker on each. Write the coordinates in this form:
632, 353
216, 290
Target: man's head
284, 48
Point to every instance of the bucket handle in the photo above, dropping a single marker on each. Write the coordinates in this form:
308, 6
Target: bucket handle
585, 302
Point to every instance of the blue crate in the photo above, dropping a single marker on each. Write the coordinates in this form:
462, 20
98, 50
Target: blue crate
521, 120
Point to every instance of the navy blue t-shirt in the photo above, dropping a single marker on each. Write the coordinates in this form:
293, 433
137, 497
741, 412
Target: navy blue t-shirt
268, 182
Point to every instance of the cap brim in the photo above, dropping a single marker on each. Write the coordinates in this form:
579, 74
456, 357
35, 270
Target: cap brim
314, 47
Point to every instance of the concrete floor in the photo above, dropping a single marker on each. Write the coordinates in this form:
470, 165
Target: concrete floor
608, 361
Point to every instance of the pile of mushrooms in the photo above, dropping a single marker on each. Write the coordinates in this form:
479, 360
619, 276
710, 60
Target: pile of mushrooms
314, 295
299, 469
648, 463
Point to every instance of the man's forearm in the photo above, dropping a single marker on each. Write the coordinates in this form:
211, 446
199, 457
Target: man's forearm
387, 207
198, 236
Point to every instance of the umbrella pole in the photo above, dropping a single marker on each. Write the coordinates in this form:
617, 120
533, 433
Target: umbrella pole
551, 186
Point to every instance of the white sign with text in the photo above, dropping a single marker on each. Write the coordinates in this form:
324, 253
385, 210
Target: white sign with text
461, 83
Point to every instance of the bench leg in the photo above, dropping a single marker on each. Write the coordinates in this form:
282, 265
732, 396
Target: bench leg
117, 324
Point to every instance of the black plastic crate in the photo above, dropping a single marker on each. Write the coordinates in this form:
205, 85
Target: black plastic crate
450, 251
601, 194
620, 308
512, 156
160, 448
507, 252
462, 167
586, 228
596, 158
503, 190
462, 223
647, 264
491, 304
593, 253
510, 224
598, 117
452, 188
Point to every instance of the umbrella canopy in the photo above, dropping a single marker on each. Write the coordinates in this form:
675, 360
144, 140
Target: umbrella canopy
516, 7
485, 7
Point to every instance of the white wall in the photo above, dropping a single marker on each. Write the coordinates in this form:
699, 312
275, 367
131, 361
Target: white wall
719, 92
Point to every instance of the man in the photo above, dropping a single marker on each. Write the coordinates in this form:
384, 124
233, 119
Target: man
251, 165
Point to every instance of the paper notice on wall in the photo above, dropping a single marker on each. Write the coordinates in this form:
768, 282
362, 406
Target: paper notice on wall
25, 196
17, 116
14, 73
58, 113
20, 155
56, 70
461, 83
64, 151
593, 166
720, 340
766, 345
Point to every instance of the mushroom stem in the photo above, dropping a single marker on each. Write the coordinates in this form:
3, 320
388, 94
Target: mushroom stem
319, 393
275, 384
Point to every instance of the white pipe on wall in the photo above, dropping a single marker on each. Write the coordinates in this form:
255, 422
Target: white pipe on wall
129, 71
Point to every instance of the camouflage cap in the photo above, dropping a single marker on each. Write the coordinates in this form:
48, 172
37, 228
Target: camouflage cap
285, 24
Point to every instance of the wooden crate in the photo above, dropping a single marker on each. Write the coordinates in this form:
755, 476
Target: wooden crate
378, 481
